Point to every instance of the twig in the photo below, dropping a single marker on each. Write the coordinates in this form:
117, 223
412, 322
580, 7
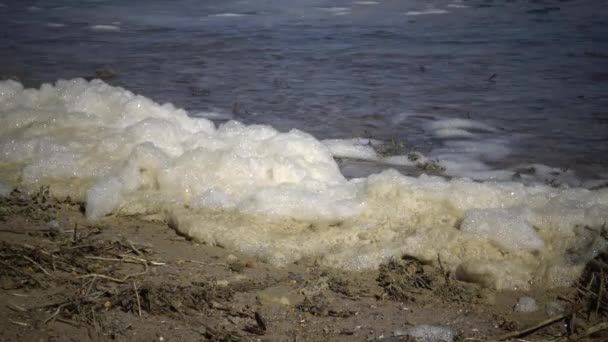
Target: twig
594, 329
149, 262
67, 321
50, 318
20, 272
205, 263
75, 235
445, 273
598, 304
16, 307
135, 250
19, 294
14, 268
19, 323
260, 321
45, 306
117, 280
37, 264
127, 258
137, 297
14, 231
101, 258
520, 333
86, 294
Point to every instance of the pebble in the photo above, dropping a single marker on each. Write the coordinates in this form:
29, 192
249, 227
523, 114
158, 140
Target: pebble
525, 304
428, 333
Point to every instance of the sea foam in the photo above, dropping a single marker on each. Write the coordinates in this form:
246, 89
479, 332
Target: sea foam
281, 196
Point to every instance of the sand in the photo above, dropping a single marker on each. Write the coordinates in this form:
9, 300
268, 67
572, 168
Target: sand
63, 278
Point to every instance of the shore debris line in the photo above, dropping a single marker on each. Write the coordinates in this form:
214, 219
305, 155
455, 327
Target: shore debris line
97, 275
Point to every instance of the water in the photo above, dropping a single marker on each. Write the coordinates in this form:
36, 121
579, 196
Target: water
537, 71
509, 94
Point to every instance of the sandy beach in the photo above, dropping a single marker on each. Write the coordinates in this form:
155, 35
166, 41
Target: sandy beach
63, 278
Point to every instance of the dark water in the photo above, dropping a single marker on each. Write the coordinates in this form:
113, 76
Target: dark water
535, 70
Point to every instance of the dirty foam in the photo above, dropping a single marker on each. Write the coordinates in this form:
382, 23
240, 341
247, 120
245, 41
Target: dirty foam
281, 196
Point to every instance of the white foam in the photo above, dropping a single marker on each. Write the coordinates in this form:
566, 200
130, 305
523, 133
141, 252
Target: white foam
401, 117
366, 3
464, 124
540, 173
448, 133
213, 115
467, 148
426, 12
352, 148
336, 10
55, 25
516, 232
457, 5
227, 15
281, 196
105, 28
401, 160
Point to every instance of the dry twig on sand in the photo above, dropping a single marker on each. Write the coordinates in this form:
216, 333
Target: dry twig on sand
527, 331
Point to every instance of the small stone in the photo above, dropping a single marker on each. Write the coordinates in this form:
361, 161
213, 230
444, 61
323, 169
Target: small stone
222, 283
231, 258
53, 224
266, 298
428, 333
525, 304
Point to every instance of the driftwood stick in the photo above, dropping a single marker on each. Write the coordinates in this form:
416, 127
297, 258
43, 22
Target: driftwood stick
524, 332
117, 280
37, 264
137, 298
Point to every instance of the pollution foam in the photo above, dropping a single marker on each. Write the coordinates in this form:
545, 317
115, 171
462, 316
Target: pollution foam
281, 196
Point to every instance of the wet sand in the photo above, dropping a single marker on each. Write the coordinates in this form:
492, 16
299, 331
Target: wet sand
63, 278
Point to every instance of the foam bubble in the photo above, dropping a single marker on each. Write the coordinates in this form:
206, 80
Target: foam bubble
336, 10
457, 4
353, 149
105, 28
426, 12
227, 15
281, 196
516, 231
463, 124
213, 115
55, 25
467, 148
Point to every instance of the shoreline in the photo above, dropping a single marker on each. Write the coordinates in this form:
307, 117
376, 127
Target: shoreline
123, 278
